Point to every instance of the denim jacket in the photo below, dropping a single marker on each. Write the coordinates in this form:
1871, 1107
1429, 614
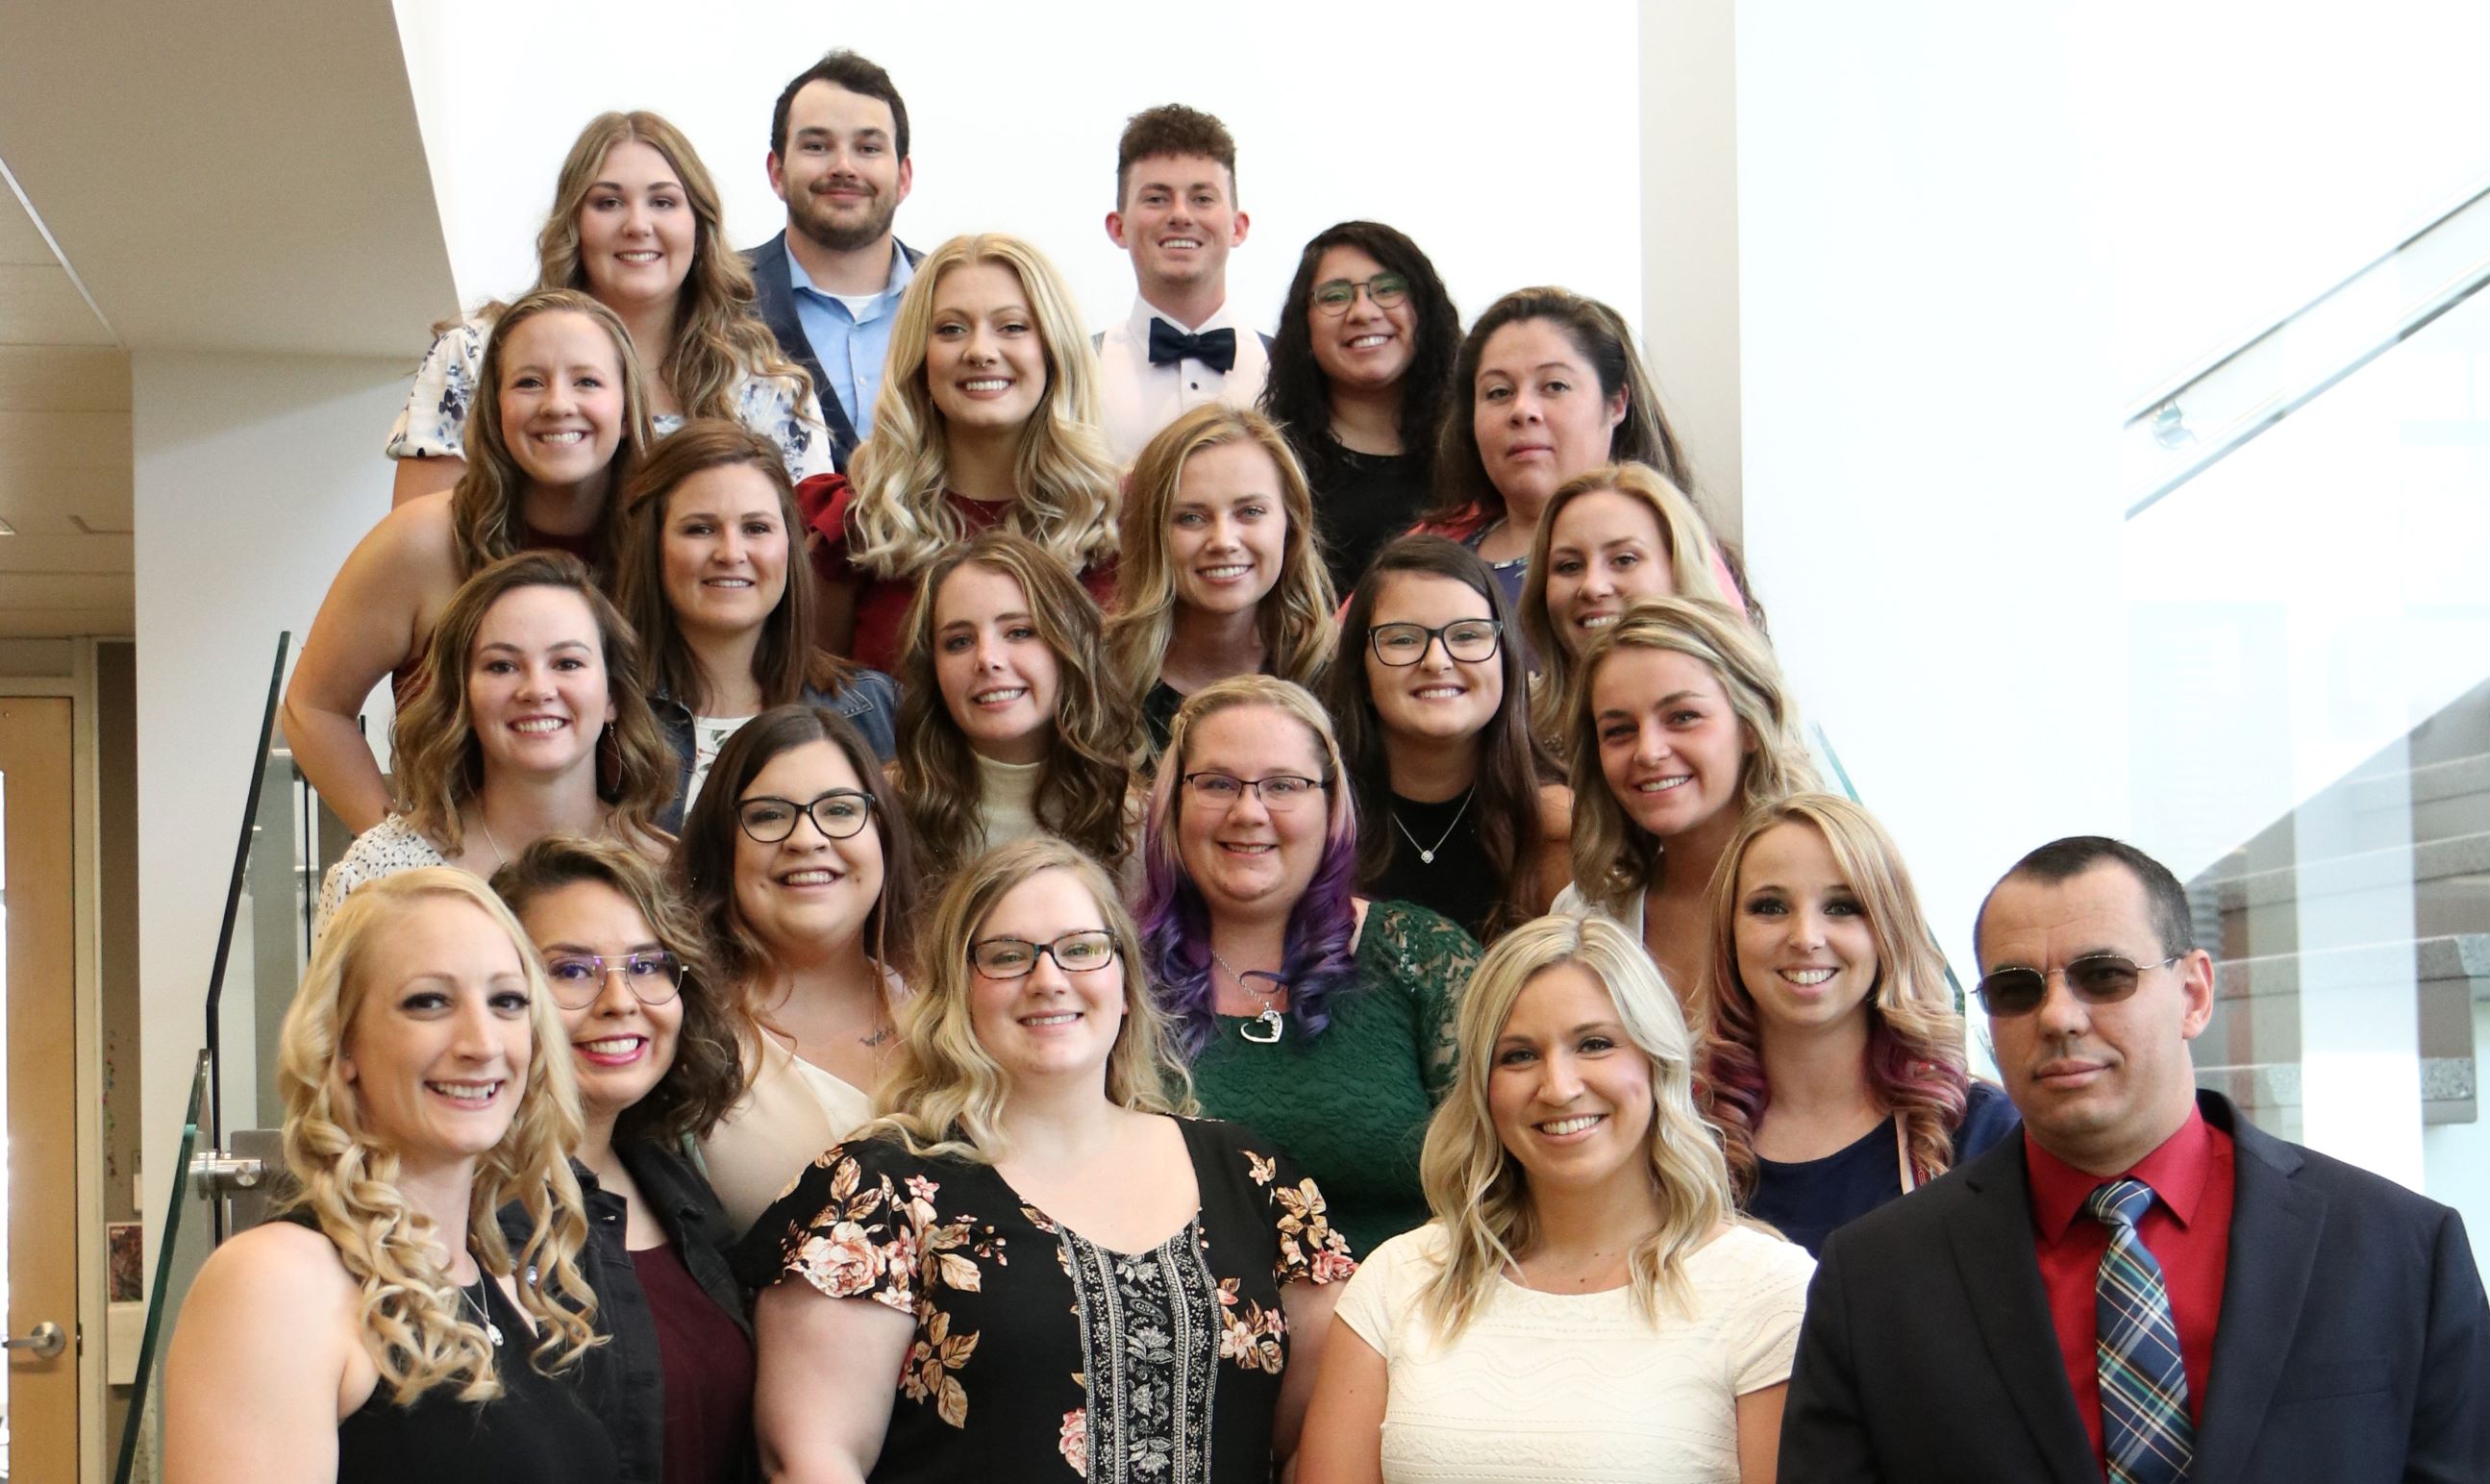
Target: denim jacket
869, 701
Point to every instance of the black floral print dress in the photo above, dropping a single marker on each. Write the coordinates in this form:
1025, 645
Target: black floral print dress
1040, 1355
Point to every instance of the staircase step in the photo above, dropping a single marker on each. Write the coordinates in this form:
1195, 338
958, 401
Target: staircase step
2460, 955
2446, 799
2270, 1092
2254, 1041
2457, 859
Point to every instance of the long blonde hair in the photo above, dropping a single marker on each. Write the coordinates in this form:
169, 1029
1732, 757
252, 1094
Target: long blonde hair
1615, 857
1295, 616
1481, 1195
414, 1326
945, 1095
487, 509
1914, 1064
718, 340
1064, 472
1684, 539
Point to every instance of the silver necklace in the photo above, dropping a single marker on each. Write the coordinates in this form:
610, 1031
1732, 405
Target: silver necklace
604, 829
483, 1316
1427, 854
1269, 1020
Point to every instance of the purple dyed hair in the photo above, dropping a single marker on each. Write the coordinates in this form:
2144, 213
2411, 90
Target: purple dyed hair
1175, 920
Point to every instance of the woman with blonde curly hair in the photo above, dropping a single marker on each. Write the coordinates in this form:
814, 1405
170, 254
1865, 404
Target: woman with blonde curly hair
637, 225
1608, 539
1587, 1304
799, 860
1833, 1058
1223, 573
553, 446
385, 1330
531, 722
1010, 722
1037, 1112
987, 418
1678, 724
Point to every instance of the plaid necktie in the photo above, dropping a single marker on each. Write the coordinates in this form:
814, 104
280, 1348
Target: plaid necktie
2146, 1436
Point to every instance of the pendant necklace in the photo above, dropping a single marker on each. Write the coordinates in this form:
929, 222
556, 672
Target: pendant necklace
1269, 1020
1427, 854
483, 1316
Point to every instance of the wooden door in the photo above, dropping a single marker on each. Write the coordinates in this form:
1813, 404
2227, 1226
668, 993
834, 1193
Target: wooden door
35, 799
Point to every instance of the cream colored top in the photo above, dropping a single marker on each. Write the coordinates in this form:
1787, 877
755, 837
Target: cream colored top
1007, 800
1577, 1386
792, 1111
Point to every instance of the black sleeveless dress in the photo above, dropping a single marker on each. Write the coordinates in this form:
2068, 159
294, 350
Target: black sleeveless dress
536, 1432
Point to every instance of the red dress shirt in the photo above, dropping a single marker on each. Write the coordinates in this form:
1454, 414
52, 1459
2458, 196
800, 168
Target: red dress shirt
882, 603
2187, 1230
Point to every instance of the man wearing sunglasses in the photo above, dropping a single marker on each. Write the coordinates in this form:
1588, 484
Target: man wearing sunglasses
2145, 1288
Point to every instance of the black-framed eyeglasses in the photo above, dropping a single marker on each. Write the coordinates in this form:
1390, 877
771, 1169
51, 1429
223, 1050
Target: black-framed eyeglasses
1334, 296
2095, 978
1016, 957
1280, 793
838, 815
1468, 640
577, 979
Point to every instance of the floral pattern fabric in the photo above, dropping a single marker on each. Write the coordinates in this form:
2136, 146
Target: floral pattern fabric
433, 424
1040, 1355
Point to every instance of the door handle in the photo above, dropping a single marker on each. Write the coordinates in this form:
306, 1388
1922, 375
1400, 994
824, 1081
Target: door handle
48, 1340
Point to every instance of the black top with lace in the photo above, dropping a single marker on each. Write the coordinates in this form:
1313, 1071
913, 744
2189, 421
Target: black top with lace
1040, 1355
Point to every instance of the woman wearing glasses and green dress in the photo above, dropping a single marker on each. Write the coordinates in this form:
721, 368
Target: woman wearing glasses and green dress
1311, 1014
799, 860
1361, 379
654, 1054
1459, 805
1034, 1266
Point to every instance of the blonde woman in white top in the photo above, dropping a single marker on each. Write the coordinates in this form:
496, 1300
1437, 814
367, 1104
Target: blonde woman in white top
798, 857
1587, 1305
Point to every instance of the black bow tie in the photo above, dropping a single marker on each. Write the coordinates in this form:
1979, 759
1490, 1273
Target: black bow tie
1213, 347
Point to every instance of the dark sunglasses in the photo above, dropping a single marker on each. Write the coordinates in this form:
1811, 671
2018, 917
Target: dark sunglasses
2097, 978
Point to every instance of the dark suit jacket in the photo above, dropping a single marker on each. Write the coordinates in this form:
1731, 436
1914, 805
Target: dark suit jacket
2354, 1342
774, 300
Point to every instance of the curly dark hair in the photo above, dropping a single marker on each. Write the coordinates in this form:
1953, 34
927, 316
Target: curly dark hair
1511, 761
706, 1076
1298, 395
1172, 129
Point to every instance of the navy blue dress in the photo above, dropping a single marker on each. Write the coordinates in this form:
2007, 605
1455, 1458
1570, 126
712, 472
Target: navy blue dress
1808, 1199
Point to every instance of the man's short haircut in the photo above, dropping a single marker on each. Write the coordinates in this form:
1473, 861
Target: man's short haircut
2063, 860
1172, 129
845, 70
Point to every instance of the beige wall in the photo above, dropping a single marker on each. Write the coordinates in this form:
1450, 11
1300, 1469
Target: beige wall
1689, 236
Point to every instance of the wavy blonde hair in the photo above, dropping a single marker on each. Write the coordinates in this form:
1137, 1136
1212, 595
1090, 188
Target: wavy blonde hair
441, 765
1481, 1195
413, 1322
1065, 474
1914, 1062
1295, 616
1615, 857
718, 339
1684, 538
944, 1093
487, 509
1084, 786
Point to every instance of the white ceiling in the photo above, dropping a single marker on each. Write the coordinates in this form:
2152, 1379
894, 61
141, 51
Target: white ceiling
64, 447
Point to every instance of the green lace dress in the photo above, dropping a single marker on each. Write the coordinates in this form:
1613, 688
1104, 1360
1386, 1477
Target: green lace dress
1350, 1106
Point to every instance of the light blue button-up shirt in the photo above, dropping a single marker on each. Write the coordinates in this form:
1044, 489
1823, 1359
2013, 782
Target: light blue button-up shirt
851, 345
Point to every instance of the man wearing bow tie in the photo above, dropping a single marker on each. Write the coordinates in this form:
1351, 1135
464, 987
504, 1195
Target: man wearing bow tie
1175, 187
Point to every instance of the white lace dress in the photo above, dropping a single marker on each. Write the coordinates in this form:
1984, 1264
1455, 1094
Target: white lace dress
1577, 1386
433, 424
385, 849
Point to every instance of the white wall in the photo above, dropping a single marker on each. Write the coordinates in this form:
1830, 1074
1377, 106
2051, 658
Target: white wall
1690, 235
1506, 151
255, 475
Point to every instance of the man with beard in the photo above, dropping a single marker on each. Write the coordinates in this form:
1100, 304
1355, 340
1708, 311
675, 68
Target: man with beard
828, 285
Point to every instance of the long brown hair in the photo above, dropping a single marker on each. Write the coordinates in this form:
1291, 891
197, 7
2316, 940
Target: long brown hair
786, 661
1082, 786
718, 340
441, 765
488, 511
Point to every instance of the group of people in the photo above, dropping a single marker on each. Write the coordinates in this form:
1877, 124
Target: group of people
957, 901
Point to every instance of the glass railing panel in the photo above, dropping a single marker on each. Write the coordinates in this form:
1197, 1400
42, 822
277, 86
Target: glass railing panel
185, 1239
2208, 411
2309, 747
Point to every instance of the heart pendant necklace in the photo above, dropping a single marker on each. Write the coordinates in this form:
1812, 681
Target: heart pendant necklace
1427, 854
1269, 1022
